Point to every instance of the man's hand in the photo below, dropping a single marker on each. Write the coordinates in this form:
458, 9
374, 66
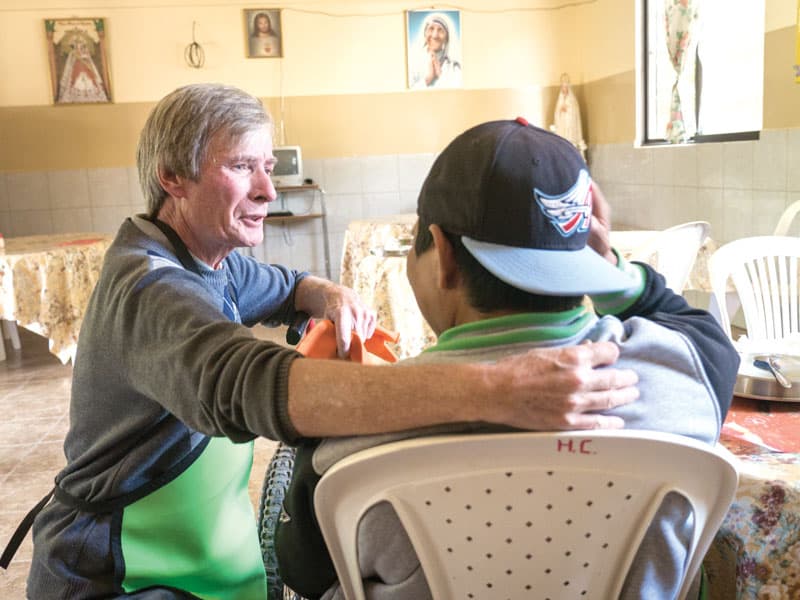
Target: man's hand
600, 232
561, 388
324, 299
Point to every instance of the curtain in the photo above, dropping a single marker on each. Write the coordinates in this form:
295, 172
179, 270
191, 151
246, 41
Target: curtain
680, 17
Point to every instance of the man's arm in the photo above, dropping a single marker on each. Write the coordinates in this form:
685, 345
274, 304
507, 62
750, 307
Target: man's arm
661, 305
718, 356
543, 389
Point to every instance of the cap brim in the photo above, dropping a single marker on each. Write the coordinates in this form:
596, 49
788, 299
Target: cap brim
551, 272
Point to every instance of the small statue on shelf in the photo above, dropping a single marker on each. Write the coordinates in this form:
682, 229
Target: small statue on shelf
567, 116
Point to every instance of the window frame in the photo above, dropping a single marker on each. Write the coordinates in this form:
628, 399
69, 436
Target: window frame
645, 140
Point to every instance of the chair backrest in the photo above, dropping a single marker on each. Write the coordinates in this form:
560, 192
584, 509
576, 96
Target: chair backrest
782, 228
763, 271
499, 515
673, 251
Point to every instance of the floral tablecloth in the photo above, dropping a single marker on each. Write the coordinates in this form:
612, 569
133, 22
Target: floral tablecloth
756, 554
367, 237
374, 265
46, 281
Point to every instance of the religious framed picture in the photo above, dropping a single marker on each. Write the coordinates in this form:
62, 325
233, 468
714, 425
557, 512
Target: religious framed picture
76, 50
433, 48
263, 33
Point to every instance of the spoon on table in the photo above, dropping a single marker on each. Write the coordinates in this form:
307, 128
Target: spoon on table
768, 363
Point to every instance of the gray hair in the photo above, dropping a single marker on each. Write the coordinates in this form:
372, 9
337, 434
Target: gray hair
178, 131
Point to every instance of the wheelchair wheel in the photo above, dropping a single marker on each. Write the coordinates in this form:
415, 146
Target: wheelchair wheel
276, 480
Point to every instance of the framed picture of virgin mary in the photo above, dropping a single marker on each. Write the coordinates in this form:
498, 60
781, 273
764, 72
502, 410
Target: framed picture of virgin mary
76, 50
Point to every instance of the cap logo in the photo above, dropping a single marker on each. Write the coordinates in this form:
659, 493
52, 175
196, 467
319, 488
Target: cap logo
570, 212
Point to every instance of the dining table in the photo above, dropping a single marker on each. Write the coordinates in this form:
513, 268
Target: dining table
374, 265
46, 282
756, 553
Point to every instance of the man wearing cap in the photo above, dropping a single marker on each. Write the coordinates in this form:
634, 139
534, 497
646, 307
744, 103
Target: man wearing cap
501, 264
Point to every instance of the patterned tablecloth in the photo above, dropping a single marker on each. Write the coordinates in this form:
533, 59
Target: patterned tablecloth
756, 554
46, 281
374, 265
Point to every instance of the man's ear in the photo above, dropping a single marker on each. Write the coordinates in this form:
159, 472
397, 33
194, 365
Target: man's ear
448, 276
172, 183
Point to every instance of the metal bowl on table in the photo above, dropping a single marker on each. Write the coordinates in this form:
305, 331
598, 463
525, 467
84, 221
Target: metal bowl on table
769, 377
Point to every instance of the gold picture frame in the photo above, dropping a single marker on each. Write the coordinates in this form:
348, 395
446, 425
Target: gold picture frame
263, 33
76, 50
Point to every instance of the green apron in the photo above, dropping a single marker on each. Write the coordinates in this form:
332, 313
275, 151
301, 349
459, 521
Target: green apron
198, 533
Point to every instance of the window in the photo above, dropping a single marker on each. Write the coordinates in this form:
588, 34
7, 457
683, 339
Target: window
722, 79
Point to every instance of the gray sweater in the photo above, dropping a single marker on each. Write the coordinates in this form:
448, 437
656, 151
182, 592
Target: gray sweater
686, 367
161, 365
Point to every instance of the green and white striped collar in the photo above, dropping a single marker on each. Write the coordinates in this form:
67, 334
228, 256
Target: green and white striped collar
515, 329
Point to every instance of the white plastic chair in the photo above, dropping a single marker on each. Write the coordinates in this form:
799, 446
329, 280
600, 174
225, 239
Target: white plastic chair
763, 270
499, 515
673, 252
782, 228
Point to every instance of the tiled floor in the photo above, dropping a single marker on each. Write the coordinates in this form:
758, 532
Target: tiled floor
34, 404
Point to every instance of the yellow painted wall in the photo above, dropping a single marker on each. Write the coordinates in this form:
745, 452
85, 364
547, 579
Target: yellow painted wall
71, 137
333, 47
340, 88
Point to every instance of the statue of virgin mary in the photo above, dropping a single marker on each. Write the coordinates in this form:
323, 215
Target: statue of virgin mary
567, 116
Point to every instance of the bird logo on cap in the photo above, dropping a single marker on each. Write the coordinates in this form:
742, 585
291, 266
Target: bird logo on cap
570, 212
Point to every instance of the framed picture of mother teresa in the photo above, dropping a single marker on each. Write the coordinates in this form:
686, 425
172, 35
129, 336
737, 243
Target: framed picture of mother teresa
76, 50
433, 45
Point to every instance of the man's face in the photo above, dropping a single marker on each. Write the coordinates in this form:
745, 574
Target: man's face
226, 206
435, 37
262, 24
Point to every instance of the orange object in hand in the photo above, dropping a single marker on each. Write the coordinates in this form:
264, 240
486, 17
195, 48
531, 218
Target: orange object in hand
320, 342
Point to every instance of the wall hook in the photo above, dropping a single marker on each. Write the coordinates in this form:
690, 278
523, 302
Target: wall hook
194, 55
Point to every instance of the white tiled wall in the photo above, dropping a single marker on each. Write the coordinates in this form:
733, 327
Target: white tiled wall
741, 188
98, 200
90, 200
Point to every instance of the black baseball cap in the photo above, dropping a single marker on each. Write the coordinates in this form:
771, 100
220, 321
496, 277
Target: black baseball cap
520, 198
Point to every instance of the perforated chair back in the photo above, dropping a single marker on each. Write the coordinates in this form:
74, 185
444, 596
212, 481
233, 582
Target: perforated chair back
763, 271
785, 222
673, 252
503, 515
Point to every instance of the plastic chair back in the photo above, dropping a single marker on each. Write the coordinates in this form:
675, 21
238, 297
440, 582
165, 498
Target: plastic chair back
673, 252
785, 222
763, 271
500, 515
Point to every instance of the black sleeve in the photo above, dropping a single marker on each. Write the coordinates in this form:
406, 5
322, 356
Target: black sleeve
303, 560
720, 359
